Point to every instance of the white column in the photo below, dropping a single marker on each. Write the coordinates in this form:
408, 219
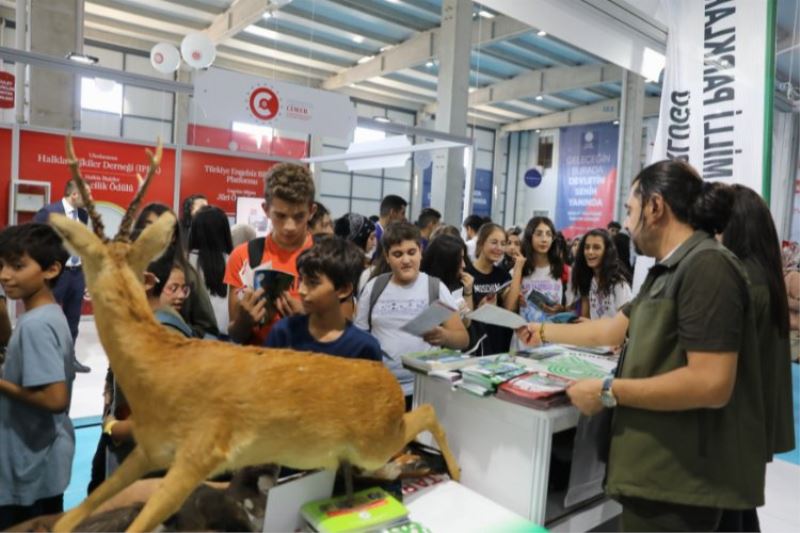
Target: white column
629, 154
447, 180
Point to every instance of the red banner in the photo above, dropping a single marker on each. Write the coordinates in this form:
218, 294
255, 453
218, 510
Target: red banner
222, 178
109, 168
5, 174
6, 90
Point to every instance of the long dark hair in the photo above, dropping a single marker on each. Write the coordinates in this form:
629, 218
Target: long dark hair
186, 212
610, 273
210, 236
751, 234
442, 259
554, 256
701, 204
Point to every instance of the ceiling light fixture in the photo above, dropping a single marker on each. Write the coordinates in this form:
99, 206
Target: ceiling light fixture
358, 39
541, 33
365, 59
616, 122
266, 15
485, 14
539, 97
82, 58
429, 64
381, 119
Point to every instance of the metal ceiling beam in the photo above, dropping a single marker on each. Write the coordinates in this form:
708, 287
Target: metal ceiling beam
604, 111
65, 65
542, 82
420, 48
393, 101
236, 18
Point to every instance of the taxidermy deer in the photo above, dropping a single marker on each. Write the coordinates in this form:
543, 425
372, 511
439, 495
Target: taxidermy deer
204, 407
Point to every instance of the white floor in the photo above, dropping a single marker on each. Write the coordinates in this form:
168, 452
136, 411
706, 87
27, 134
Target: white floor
780, 514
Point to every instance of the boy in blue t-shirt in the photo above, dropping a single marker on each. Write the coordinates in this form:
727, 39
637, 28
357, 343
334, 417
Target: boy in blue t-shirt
329, 273
37, 441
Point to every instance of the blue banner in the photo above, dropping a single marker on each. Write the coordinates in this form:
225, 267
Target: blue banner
481, 191
587, 177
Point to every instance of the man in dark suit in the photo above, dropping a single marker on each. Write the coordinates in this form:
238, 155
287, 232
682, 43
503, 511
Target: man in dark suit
70, 286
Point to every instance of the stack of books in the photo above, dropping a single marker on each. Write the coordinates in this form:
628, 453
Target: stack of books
371, 510
439, 359
539, 390
483, 378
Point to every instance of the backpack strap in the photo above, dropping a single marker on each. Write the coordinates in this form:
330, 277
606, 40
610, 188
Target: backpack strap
255, 251
433, 289
378, 287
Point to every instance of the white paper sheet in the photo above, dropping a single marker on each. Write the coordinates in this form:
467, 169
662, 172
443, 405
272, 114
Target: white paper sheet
433, 316
497, 316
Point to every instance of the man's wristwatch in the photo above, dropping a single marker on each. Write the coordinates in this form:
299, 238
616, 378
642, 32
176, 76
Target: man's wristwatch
607, 397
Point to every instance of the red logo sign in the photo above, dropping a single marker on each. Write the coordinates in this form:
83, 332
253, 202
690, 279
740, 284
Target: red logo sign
264, 103
6, 90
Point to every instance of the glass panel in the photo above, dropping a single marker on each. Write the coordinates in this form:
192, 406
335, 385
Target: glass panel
366, 207
101, 95
337, 206
147, 103
145, 129
366, 187
400, 188
403, 173
100, 123
334, 184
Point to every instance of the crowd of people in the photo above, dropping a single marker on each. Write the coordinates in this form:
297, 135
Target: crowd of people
704, 355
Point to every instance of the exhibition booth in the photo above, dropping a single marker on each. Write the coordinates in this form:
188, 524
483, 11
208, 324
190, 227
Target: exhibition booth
528, 459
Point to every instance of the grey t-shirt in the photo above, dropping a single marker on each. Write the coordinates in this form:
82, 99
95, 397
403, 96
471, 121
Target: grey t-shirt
36, 446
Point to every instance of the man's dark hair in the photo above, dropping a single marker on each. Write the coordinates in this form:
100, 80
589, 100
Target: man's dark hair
428, 216
614, 224
70, 187
338, 259
291, 183
474, 222
318, 215
701, 204
39, 241
391, 203
397, 232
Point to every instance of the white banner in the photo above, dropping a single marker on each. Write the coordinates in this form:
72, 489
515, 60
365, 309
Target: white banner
222, 97
712, 102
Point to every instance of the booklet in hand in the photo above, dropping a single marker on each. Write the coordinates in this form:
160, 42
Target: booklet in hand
497, 316
274, 283
433, 316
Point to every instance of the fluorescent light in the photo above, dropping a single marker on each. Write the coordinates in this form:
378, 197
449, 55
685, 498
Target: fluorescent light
379, 118
538, 131
358, 39
82, 58
266, 15
429, 64
616, 122
539, 97
472, 89
541, 33
485, 14
385, 48
262, 32
365, 59
393, 1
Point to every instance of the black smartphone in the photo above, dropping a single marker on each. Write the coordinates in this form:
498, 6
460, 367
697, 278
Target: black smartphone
274, 283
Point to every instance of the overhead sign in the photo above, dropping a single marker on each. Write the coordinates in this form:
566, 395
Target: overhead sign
222, 179
6, 90
713, 97
587, 178
223, 97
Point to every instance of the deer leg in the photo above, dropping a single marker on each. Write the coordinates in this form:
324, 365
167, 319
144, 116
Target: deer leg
347, 473
193, 463
132, 468
423, 418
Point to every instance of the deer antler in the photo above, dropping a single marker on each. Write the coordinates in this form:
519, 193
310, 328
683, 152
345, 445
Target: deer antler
83, 188
123, 235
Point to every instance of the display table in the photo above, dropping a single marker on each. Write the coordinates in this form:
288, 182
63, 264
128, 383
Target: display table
503, 449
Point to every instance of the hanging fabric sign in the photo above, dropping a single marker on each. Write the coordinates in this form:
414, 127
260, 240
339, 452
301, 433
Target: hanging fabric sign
712, 103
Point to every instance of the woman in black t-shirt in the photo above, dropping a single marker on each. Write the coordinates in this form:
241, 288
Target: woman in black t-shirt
493, 285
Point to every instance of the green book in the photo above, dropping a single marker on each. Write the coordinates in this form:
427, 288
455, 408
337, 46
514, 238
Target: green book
371, 509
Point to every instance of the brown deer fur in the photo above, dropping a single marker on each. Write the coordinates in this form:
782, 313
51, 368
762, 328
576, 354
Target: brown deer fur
203, 407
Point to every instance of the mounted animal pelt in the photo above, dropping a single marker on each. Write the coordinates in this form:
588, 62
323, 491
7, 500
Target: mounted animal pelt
203, 407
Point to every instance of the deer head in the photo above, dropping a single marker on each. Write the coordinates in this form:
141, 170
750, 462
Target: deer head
103, 259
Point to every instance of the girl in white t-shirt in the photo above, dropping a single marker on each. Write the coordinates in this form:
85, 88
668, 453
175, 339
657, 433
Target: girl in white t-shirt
597, 277
542, 291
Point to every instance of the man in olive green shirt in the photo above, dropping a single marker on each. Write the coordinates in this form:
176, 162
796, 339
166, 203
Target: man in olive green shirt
687, 436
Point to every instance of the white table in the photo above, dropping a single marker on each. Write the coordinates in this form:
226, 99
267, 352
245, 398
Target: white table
503, 448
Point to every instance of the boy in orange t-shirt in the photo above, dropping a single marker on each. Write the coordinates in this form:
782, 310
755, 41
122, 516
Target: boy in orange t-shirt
288, 202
